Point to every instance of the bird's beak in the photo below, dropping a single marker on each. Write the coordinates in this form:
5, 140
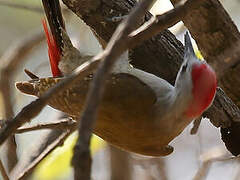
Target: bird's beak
188, 51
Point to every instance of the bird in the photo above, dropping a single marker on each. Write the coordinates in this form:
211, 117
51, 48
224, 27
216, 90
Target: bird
139, 112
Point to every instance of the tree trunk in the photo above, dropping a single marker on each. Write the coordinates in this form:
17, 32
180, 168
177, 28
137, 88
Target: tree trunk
161, 55
218, 39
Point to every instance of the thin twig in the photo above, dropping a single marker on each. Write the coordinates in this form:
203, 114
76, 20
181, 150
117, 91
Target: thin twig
34, 108
9, 63
3, 171
205, 167
159, 22
58, 142
196, 125
203, 171
213, 155
63, 124
81, 160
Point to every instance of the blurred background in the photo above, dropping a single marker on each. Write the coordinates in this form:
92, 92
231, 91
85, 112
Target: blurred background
193, 155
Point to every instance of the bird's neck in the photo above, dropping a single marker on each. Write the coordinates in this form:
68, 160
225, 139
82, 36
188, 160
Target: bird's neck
122, 64
182, 95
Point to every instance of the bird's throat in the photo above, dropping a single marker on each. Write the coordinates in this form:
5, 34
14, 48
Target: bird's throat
204, 89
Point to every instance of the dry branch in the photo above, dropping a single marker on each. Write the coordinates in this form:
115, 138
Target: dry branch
3, 171
196, 124
58, 142
117, 45
9, 62
208, 158
220, 118
62, 124
159, 22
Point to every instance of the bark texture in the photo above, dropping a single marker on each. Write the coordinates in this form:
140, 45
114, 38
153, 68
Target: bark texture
218, 39
161, 55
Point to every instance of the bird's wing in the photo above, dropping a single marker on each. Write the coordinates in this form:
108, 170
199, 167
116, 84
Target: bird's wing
123, 91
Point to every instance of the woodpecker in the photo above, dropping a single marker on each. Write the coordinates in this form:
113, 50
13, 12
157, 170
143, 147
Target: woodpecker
140, 112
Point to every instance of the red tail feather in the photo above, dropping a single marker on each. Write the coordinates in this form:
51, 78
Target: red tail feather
53, 51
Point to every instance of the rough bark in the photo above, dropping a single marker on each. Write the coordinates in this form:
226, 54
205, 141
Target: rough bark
161, 55
218, 39
222, 109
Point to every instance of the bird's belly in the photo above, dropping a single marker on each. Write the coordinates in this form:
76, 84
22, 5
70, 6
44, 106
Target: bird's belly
126, 115
138, 134
129, 126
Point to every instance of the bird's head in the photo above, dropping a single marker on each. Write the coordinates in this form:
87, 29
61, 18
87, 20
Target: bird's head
197, 79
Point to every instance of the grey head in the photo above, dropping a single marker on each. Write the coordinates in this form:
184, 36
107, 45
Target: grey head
183, 84
189, 59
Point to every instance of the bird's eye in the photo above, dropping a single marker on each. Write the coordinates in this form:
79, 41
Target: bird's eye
184, 68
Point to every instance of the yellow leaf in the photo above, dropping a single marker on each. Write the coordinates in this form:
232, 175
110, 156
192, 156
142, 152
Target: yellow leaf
57, 164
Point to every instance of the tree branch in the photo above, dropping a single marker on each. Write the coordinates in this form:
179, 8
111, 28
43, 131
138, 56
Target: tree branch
58, 142
3, 171
81, 160
218, 117
62, 124
218, 40
9, 62
196, 124
159, 22
162, 54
